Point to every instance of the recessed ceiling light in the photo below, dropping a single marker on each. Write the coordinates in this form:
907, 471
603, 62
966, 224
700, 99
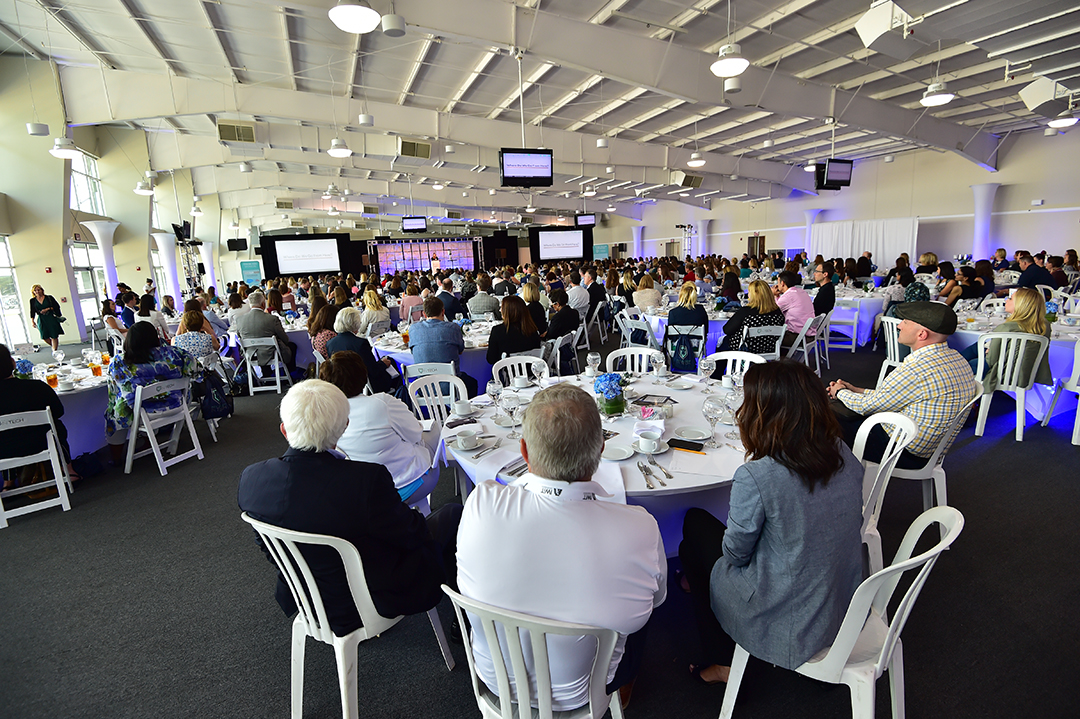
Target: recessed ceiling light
338, 148
684, 194
354, 16
731, 62
937, 95
734, 177
696, 160
889, 158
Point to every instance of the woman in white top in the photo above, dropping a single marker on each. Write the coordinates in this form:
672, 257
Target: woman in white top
373, 312
646, 295
148, 313
237, 308
382, 430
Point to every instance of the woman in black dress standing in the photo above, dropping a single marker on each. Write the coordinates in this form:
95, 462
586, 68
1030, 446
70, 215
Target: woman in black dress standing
45, 312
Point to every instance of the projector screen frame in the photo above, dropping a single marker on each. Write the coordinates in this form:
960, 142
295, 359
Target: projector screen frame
586, 242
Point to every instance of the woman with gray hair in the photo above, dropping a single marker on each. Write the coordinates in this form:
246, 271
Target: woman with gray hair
381, 373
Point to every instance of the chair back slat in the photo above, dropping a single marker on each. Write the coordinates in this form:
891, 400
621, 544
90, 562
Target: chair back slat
519, 365
437, 393
1016, 365
737, 361
755, 337
637, 359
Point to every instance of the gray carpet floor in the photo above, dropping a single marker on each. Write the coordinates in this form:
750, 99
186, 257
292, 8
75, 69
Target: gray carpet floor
150, 598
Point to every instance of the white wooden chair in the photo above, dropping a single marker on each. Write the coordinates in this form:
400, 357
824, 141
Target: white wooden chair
848, 316
437, 392
51, 454
806, 343
637, 359
737, 361
519, 642
249, 351
311, 619
149, 423
890, 330
1068, 384
754, 337
876, 476
868, 643
1015, 373
518, 365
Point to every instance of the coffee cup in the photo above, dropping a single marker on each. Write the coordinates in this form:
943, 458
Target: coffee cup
462, 408
521, 382
468, 439
66, 384
590, 372
727, 382
649, 441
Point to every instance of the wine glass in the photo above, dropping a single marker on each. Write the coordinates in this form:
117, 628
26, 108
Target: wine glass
658, 365
592, 360
733, 400
713, 409
86, 355
58, 355
511, 403
705, 369
494, 390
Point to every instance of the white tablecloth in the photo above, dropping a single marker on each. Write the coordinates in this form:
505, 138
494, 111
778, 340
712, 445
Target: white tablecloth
473, 360
870, 306
84, 412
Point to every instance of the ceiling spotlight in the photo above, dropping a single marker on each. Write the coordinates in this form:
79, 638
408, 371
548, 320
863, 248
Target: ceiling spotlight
64, 149
245, 167
696, 160
395, 203
589, 191
767, 144
37, 129
338, 148
937, 95
734, 177
393, 25
438, 186
145, 188
354, 16
365, 120
491, 191
731, 62
448, 149
889, 158
810, 166
611, 208
610, 169
601, 142
333, 211
196, 211
732, 85
1065, 119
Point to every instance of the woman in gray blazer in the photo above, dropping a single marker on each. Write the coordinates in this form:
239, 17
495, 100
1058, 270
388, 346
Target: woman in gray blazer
779, 577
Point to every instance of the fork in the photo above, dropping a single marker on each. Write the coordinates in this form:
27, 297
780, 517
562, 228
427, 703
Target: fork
667, 474
492, 448
647, 475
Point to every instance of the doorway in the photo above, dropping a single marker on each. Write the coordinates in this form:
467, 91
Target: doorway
756, 245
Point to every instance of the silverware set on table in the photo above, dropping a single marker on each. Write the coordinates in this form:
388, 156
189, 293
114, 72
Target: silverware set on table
649, 475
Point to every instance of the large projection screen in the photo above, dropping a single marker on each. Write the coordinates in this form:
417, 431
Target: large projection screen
561, 245
307, 256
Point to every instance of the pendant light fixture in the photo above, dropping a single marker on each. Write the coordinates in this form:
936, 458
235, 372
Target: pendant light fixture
196, 211
1064, 120
146, 187
731, 62
938, 93
696, 160
64, 149
438, 186
590, 191
333, 211
810, 166
331, 192
338, 148
354, 16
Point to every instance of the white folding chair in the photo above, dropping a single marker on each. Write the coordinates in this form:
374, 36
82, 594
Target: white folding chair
423, 369
624, 335
437, 392
868, 644
518, 642
249, 352
117, 338
650, 338
554, 358
311, 619
211, 363
1015, 372
737, 361
149, 423
848, 316
51, 454
95, 328
876, 476
696, 333
377, 328
595, 322
807, 342
319, 359
1068, 384
416, 313
637, 359
583, 322
519, 365
890, 330
754, 338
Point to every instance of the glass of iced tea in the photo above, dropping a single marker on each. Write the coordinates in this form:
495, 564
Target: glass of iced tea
105, 358
95, 369
52, 380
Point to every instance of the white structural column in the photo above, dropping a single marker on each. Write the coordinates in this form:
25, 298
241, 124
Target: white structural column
702, 246
206, 251
810, 215
103, 232
984, 207
166, 244
639, 241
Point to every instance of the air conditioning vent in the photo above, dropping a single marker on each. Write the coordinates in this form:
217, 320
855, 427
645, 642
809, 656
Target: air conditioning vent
411, 148
236, 132
296, 223
526, 219
283, 204
682, 179
453, 214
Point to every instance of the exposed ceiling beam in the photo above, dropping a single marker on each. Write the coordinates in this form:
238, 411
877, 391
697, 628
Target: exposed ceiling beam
566, 99
290, 50
145, 26
607, 107
60, 15
220, 35
421, 57
534, 77
22, 43
482, 65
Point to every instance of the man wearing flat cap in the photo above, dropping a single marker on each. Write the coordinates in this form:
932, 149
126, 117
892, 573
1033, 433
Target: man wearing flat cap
931, 387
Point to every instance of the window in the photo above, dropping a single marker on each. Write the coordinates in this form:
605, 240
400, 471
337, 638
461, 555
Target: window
88, 265
13, 328
86, 186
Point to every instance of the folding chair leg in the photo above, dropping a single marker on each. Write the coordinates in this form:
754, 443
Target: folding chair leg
738, 668
299, 642
440, 635
156, 449
133, 438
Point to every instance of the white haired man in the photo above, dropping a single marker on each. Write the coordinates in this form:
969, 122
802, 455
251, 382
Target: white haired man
520, 548
313, 488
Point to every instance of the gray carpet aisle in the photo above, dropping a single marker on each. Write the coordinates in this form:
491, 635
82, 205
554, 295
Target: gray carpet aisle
150, 598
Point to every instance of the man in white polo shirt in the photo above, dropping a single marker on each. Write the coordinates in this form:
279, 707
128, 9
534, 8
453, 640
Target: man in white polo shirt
522, 547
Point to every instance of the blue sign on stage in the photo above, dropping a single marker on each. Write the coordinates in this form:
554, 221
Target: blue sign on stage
251, 271
601, 252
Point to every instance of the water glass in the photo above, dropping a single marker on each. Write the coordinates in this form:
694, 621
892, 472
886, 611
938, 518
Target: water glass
494, 391
733, 401
592, 360
706, 367
58, 355
658, 365
713, 410
511, 403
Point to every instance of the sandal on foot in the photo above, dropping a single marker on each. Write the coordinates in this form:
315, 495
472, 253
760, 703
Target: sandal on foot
695, 672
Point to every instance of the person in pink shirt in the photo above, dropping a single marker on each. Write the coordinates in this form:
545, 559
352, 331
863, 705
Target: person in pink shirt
796, 305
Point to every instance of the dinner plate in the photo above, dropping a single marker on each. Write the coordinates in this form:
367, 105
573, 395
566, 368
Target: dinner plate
659, 450
615, 453
680, 385
691, 433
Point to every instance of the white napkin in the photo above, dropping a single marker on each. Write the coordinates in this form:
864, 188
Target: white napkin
649, 425
489, 465
609, 475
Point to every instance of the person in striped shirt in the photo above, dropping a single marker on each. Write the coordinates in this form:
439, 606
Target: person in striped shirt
932, 386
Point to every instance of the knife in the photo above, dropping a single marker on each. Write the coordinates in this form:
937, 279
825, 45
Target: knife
489, 450
645, 473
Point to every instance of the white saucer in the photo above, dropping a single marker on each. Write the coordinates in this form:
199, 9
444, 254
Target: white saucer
691, 433
679, 385
504, 421
615, 453
659, 450
456, 444
473, 413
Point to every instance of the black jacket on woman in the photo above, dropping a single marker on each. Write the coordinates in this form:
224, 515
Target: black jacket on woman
509, 341
539, 316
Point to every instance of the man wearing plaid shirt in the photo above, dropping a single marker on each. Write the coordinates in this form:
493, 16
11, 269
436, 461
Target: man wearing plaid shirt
931, 387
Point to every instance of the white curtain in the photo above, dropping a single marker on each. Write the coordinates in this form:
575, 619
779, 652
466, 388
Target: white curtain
885, 239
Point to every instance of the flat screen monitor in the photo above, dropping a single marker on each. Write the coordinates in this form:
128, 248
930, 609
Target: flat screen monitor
526, 168
561, 244
838, 172
585, 220
819, 178
238, 245
302, 257
414, 224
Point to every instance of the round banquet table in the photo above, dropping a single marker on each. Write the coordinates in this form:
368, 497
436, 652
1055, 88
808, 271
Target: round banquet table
870, 306
473, 361
700, 480
84, 411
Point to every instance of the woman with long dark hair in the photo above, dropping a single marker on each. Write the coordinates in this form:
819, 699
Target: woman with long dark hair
779, 577
517, 333
148, 313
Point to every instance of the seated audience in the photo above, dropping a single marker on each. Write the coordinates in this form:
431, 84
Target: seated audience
1001, 261
516, 333
687, 311
931, 386
274, 304
312, 488
730, 286
760, 311
779, 577
825, 299
796, 305
321, 330
1032, 275
148, 313
410, 300
522, 547
237, 307
1054, 265
108, 316
928, 264
374, 312
378, 370
258, 324
436, 340
191, 338
168, 306
482, 302
646, 295
451, 304
1027, 314
530, 292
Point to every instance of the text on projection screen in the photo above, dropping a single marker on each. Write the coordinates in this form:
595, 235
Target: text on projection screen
561, 245
301, 256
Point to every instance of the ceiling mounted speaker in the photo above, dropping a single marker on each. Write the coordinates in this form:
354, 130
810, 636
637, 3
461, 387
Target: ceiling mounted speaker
365, 120
245, 167
732, 85
601, 142
37, 129
393, 25
767, 144
883, 29
1045, 97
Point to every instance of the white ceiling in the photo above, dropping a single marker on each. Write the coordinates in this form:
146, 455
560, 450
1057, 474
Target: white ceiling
633, 71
